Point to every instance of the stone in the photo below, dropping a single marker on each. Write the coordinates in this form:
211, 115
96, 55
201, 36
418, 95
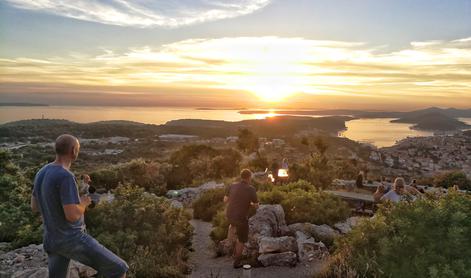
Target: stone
346, 226
278, 259
323, 233
277, 244
187, 196
78, 270
40, 272
309, 249
268, 221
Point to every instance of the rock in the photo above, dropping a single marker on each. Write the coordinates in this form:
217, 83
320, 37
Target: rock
40, 272
31, 262
277, 244
78, 270
19, 259
186, 196
278, 259
268, 221
323, 233
309, 249
176, 204
346, 226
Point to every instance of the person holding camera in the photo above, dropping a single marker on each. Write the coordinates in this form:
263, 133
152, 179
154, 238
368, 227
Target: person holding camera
56, 197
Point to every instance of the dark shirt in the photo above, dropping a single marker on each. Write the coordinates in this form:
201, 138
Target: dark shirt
240, 196
54, 187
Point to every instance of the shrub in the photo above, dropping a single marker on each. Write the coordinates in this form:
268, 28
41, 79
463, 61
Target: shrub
152, 236
148, 175
426, 238
220, 226
449, 179
193, 163
18, 224
303, 203
208, 204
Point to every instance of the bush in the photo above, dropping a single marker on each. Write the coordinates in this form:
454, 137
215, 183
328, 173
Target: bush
197, 163
220, 226
148, 175
449, 179
18, 224
426, 238
152, 236
208, 204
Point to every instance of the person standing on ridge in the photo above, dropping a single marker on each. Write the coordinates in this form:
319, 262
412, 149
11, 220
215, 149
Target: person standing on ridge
240, 196
56, 197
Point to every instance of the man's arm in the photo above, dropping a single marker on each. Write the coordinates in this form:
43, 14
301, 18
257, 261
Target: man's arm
254, 201
34, 205
73, 212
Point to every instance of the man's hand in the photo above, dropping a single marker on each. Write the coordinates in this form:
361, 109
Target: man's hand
255, 205
85, 201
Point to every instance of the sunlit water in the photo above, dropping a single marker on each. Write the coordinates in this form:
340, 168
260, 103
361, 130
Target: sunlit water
379, 132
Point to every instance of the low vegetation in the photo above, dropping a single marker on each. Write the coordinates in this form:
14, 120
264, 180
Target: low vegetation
208, 204
425, 238
145, 230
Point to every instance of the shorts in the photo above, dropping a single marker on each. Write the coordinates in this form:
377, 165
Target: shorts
88, 251
242, 229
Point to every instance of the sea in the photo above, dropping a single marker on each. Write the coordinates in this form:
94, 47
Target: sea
377, 132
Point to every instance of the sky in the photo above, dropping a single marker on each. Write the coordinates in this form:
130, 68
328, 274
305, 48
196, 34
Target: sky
318, 54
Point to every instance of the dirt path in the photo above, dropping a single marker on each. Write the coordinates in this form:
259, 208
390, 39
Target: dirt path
206, 265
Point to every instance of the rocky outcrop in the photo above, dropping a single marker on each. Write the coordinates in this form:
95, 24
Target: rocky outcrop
31, 262
279, 259
186, 196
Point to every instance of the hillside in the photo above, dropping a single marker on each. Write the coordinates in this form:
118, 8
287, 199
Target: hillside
434, 120
271, 127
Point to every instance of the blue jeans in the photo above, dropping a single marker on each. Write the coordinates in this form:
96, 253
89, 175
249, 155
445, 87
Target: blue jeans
88, 251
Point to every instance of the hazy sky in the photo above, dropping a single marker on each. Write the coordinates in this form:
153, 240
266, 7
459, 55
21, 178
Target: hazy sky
377, 54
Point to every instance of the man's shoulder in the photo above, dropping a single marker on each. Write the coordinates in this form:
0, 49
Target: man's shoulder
56, 170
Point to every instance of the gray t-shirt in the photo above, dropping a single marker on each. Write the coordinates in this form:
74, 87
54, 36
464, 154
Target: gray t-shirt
54, 187
240, 196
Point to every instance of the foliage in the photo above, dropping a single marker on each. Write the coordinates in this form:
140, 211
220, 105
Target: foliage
208, 204
449, 179
148, 175
145, 230
303, 203
425, 238
201, 162
220, 226
317, 169
247, 141
17, 223
259, 163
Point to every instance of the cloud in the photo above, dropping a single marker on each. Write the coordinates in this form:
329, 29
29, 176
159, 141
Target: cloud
145, 13
270, 67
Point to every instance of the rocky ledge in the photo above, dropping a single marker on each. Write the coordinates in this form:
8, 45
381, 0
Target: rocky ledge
31, 262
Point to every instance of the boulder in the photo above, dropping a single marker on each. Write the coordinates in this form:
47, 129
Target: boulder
78, 270
323, 233
278, 259
268, 221
309, 249
277, 244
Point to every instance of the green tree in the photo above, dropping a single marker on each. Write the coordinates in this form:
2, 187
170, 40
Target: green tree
449, 179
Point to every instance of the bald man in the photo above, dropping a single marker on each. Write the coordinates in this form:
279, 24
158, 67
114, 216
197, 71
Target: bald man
56, 197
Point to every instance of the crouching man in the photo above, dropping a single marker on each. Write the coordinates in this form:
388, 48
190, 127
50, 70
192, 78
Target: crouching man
56, 197
240, 196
